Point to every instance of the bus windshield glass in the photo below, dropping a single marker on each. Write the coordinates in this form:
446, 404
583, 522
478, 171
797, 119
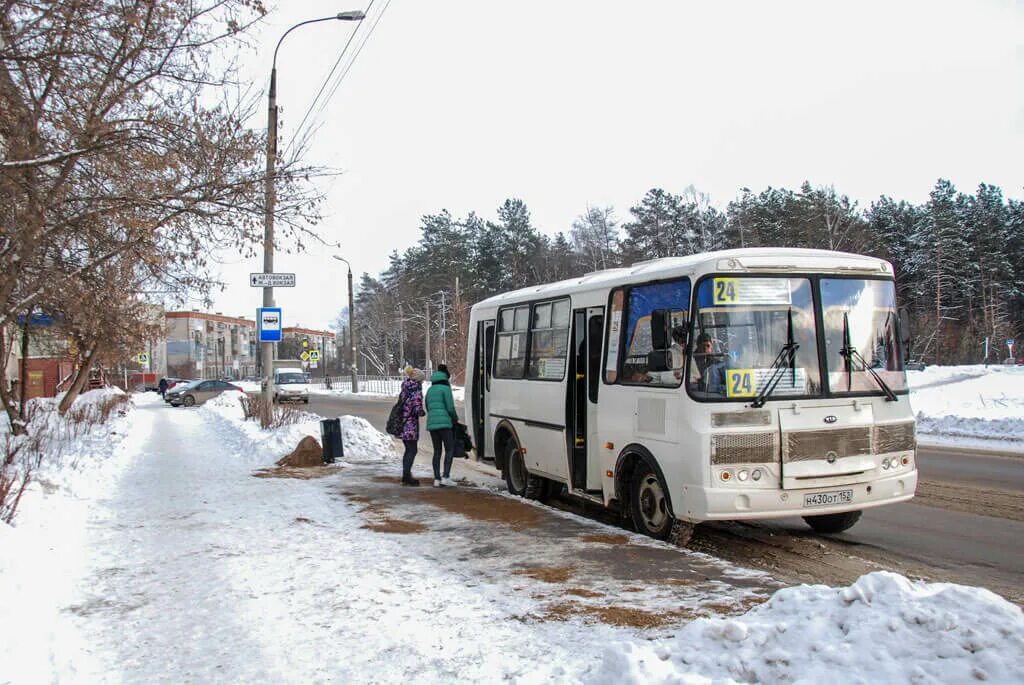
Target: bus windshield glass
291, 378
860, 333
741, 327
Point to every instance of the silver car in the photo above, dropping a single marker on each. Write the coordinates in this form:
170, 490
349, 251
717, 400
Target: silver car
197, 392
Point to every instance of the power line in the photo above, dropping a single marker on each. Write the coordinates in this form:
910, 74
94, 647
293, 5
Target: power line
337, 83
327, 79
341, 77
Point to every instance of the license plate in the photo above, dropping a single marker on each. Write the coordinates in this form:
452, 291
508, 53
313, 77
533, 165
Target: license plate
824, 499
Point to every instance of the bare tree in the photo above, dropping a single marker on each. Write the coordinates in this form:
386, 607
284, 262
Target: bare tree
595, 235
124, 141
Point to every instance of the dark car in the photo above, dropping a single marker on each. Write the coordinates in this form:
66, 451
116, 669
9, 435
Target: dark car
915, 365
198, 392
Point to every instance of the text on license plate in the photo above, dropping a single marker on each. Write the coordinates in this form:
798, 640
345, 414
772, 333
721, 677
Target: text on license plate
824, 499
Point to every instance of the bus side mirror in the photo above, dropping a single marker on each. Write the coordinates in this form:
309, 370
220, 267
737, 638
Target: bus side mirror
659, 329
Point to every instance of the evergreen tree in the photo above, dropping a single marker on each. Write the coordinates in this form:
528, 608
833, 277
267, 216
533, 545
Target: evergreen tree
657, 229
939, 263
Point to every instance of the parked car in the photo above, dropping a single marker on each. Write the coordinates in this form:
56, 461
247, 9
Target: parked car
176, 385
915, 365
198, 392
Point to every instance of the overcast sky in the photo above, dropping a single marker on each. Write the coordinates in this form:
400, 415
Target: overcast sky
460, 104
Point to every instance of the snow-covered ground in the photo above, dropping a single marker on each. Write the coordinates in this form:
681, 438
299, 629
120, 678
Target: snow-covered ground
969, 406
149, 553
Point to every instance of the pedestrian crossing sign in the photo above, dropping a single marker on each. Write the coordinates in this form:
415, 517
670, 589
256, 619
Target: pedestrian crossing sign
142, 358
314, 355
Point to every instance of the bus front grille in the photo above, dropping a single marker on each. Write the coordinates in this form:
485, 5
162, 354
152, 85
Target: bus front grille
744, 448
895, 437
837, 443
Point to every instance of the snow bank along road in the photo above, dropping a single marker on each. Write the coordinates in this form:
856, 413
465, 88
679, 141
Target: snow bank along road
962, 527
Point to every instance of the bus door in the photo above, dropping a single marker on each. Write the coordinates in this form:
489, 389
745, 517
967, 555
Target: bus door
585, 380
482, 354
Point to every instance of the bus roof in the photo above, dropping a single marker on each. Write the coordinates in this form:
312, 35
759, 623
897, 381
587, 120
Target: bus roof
740, 260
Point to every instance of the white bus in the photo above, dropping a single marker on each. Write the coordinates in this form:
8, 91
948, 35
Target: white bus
742, 384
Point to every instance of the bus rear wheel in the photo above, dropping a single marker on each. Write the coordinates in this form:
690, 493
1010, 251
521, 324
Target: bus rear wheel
833, 523
515, 471
519, 479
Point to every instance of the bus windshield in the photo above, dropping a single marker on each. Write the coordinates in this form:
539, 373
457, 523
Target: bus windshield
741, 326
860, 333
291, 378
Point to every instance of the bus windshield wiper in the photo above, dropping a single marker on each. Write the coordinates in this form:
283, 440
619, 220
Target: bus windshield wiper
786, 358
851, 355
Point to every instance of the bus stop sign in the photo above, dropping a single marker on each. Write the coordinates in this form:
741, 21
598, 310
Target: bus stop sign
269, 319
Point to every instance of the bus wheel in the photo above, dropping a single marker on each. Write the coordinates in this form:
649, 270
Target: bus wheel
648, 503
538, 488
833, 523
516, 475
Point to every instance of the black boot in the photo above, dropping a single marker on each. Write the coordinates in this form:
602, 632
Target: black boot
409, 480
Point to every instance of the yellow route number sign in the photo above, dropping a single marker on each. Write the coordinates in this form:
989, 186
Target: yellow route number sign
740, 383
726, 290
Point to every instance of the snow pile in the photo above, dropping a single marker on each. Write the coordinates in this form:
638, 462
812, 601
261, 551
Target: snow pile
361, 441
957, 404
46, 546
881, 629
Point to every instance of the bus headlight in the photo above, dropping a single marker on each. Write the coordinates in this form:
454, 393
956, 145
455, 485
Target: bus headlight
743, 474
885, 463
726, 476
756, 475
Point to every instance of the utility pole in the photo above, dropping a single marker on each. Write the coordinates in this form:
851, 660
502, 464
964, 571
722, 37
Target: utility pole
351, 324
426, 338
401, 338
270, 199
444, 331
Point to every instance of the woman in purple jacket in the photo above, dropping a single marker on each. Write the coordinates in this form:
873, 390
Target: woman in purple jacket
412, 409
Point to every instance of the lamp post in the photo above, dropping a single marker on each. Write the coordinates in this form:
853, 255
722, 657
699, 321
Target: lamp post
351, 325
270, 199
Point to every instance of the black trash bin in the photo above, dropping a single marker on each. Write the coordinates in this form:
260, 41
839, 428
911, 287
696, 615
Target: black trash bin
330, 431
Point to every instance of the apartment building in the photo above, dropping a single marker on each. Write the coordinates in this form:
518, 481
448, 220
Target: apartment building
204, 345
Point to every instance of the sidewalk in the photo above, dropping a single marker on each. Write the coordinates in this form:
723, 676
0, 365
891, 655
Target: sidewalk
198, 571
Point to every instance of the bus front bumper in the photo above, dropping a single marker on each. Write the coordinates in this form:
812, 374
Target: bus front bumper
725, 504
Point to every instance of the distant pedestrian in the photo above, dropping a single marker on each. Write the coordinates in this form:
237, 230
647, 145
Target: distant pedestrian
163, 387
441, 417
411, 397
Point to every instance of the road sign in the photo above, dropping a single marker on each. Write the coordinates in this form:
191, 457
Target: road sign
304, 356
312, 365
142, 358
267, 280
314, 355
269, 319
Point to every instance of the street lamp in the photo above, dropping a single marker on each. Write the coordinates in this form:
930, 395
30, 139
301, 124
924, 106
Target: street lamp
270, 199
351, 324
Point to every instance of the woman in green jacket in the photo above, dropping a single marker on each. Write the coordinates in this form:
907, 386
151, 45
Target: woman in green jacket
441, 418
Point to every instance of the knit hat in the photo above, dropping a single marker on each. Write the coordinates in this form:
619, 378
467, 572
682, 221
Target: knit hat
415, 374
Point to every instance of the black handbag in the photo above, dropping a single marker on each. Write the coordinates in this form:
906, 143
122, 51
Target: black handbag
463, 444
394, 424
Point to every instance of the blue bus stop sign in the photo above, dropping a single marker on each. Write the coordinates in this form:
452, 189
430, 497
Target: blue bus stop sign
269, 319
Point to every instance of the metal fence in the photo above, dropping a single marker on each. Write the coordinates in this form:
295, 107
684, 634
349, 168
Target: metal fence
377, 385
